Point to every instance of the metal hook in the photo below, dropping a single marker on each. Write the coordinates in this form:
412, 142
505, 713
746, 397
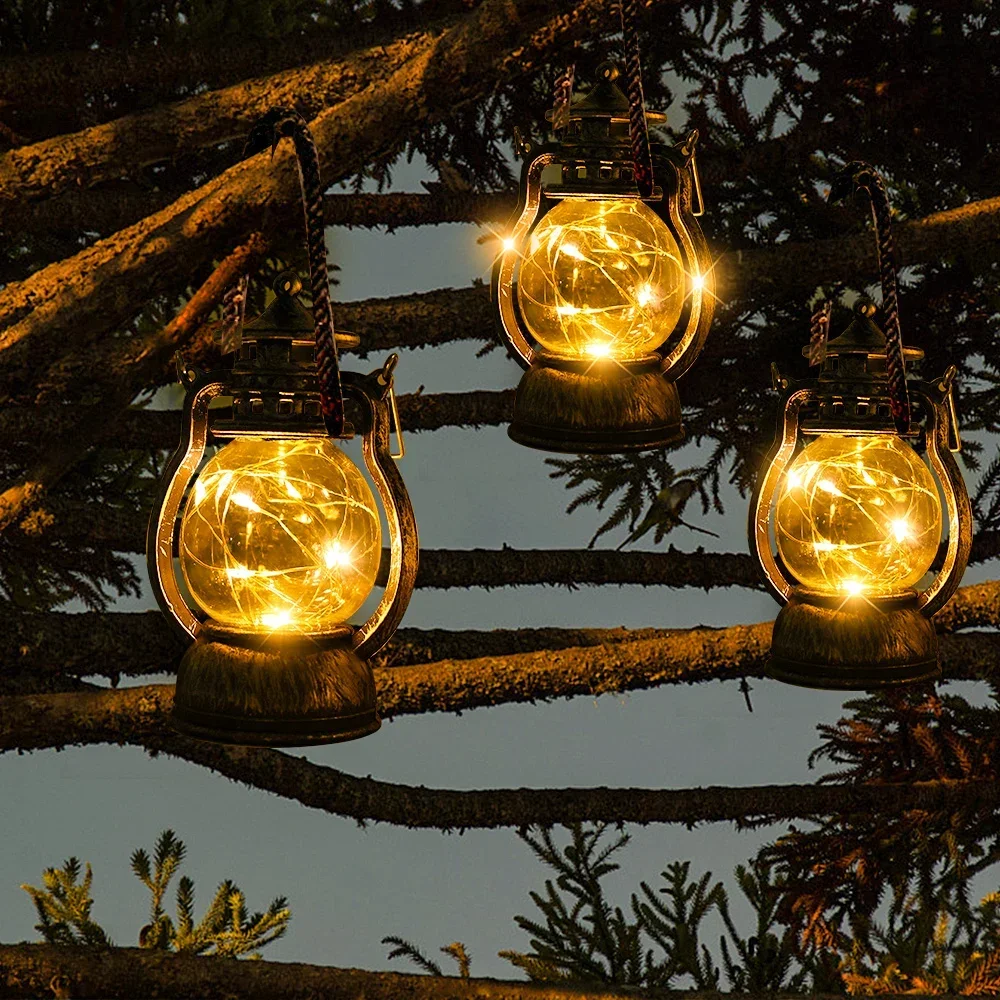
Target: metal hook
947, 386
385, 378
688, 150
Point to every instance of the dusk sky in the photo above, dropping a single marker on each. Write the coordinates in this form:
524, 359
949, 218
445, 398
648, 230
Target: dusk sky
348, 887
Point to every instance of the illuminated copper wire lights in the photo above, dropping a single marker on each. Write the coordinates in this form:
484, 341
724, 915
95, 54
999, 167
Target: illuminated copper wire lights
601, 279
858, 515
280, 535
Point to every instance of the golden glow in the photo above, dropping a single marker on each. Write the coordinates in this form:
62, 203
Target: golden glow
602, 273
858, 515
280, 535
508, 244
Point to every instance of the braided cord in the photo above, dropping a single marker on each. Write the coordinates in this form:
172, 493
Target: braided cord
331, 390
638, 131
819, 332
561, 97
866, 177
269, 130
233, 308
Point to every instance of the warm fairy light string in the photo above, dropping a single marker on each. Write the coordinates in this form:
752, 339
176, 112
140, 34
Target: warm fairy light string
858, 515
601, 279
265, 545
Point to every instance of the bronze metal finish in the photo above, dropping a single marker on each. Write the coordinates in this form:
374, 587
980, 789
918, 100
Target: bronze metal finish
827, 641
608, 406
570, 405
282, 689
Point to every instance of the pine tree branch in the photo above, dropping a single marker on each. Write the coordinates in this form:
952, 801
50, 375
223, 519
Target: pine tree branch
69, 303
966, 231
35, 427
136, 716
970, 231
147, 355
102, 153
441, 671
36, 970
106, 209
448, 315
60, 82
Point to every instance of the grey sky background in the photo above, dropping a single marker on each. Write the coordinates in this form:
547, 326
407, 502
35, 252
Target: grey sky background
348, 887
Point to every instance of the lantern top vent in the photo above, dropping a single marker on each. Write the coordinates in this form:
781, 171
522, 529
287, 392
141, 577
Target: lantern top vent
863, 337
287, 319
605, 100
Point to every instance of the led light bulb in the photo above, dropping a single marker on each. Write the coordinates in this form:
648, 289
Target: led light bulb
280, 536
858, 515
601, 279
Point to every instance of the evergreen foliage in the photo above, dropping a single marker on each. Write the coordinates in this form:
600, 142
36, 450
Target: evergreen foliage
933, 941
64, 905
226, 929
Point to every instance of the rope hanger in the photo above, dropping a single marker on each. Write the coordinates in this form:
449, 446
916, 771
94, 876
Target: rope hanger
267, 132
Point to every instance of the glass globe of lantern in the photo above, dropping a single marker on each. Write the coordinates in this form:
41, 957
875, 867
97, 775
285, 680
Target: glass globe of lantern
280, 535
858, 515
601, 279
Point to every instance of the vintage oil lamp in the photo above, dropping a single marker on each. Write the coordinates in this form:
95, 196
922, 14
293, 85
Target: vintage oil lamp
857, 520
604, 296
278, 540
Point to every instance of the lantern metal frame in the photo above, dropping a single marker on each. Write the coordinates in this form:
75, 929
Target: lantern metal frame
284, 688
604, 405
825, 640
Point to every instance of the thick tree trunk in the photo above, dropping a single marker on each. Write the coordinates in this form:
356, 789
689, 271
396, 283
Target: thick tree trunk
67, 304
103, 153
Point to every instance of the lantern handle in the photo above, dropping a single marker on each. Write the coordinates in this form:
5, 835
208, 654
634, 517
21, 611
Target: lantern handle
202, 388
937, 435
701, 282
777, 582
371, 393
502, 285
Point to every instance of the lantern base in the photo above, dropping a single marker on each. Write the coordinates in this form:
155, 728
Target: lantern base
595, 406
853, 644
274, 691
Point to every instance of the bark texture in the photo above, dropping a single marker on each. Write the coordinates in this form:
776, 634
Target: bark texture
440, 671
102, 153
146, 354
33, 970
154, 74
106, 209
72, 302
136, 716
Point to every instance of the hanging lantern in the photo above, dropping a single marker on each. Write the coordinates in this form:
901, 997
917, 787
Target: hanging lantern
604, 296
278, 540
858, 515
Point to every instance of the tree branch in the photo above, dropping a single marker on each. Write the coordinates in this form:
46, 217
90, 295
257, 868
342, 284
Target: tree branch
59, 82
146, 355
441, 671
34, 427
35, 970
102, 153
105, 209
68, 303
136, 716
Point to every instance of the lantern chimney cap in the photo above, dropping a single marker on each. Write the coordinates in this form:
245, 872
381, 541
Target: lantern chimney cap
606, 99
863, 336
287, 319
